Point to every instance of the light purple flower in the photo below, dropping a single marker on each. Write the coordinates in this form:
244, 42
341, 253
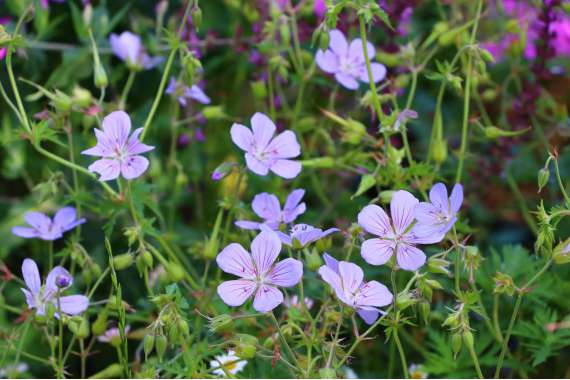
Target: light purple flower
267, 207
183, 93
259, 273
43, 227
347, 281
129, 48
347, 62
439, 215
398, 235
263, 152
294, 302
304, 234
38, 296
113, 335
120, 153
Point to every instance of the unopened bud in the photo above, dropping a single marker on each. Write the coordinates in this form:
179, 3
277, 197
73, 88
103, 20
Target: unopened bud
324, 41
439, 150
468, 339
148, 344
221, 323
121, 262
160, 345
197, 17
543, 177
222, 170
100, 324
313, 260
175, 272
214, 112
456, 343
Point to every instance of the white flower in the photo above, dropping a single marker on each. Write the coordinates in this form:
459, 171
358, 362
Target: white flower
417, 372
230, 362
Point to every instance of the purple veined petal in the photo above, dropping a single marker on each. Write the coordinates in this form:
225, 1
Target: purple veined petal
31, 275
265, 248
107, 168
293, 199
30, 301
103, 148
347, 81
378, 72
236, 292
256, 166
402, 208
134, 167
266, 206
38, 220
356, 52
287, 169
377, 251
284, 145
117, 127
285, 239
327, 61
373, 219
64, 217
242, 137
438, 196
332, 278
51, 286
374, 294
97, 151
428, 233
73, 305
368, 315
426, 213
234, 259
267, 298
351, 276
286, 273
134, 146
263, 130
456, 198
197, 94
338, 43
331, 262
172, 86
247, 224
409, 257
25, 232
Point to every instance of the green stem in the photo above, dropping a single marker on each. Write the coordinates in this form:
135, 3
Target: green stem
60, 337
284, 341
475, 361
50, 255
402, 354
333, 349
127, 89
560, 184
167, 68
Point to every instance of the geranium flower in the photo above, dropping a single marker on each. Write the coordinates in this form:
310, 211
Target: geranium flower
129, 48
440, 215
259, 273
121, 153
230, 362
347, 281
113, 336
184, 93
347, 62
397, 236
43, 227
267, 207
58, 279
304, 234
263, 152
294, 302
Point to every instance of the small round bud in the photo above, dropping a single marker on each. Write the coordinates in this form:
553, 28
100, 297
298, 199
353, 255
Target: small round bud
63, 281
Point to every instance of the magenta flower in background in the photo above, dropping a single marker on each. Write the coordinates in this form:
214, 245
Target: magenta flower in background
259, 274
184, 93
304, 234
120, 153
45, 3
43, 227
560, 28
397, 236
347, 62
263, 152
267, 207
58, 279
129, 48
347, 281
439, 215
320, 8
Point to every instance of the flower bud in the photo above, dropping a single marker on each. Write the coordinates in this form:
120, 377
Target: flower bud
82, 97
327, 373
468, 339
456, 343
245, 346
437, 265
259, 90
439, 150
543, 177
324, 40
222, 170
504, 284
87, 14
148, 344
221, 323
63, 281
62, 102
101, 80
214, 112
183, 327
561, 254
196, 17
160, 345
173, 333
405, 300
313, 260
424, 308
121, 262
100, 324
175, 272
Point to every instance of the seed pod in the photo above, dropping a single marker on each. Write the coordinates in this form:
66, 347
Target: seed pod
468, 339
456, 343
173, 333
324, 41
121, 262
175, 272
160, 344
221, 323
313, 261
183, 327
439, 150
148, 344
197, 17
543, 177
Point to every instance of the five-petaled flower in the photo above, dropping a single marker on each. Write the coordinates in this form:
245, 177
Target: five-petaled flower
229, 362
184, 93
267, 207
113, 336
43, 227
38, 297
347, 281
347, 62
304, 234
439, 215
120, 153
259, 273
396, 236
263, 152
129, 48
